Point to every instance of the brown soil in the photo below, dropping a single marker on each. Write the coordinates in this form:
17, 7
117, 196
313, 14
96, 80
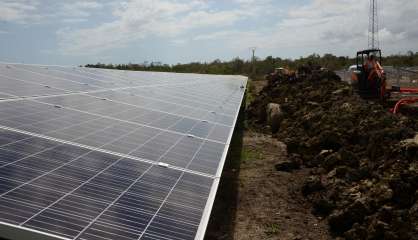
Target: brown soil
270, 205
254, 200
363, 159
258, 85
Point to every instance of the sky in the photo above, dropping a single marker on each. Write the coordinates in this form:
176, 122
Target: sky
77, 32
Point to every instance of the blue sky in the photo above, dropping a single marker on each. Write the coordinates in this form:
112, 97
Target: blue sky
73, 32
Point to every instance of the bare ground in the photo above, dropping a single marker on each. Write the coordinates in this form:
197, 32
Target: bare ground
268, 204
254, 200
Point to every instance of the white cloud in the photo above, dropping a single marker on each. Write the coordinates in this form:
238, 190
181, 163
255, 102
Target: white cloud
230, 35
179, 42
75, 12
80, 9
138, 19
19, 11
321, 26
37, 11
216, 35
328, 26
277, 28
74, 20
342, 26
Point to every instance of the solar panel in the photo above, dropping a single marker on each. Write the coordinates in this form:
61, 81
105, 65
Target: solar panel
105, 154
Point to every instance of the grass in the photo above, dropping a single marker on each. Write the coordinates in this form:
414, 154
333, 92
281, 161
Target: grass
272, 229
250, 93
248, 155
250, 96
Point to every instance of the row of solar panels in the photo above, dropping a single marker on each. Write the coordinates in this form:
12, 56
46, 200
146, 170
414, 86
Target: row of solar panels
102, 154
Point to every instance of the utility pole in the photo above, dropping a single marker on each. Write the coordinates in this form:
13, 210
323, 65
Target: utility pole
252, 49
373, 25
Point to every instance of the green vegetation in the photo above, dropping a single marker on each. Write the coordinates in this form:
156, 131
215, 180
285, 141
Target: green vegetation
248, 155
272, 229
250, 93
239, 66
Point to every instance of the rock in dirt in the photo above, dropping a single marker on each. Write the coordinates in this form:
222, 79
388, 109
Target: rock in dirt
311, 185
331, 161
341, 221
287, 166
274, 115
364, 159
323, 207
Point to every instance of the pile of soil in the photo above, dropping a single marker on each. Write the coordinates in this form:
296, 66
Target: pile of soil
363, 159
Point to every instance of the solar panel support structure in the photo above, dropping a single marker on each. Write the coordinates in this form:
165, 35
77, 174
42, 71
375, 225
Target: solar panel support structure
98, 147
211, 199
9, 231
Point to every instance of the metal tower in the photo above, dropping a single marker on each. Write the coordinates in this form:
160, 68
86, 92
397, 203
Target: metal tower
373, 25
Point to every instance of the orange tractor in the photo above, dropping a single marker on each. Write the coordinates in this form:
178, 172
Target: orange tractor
369, 78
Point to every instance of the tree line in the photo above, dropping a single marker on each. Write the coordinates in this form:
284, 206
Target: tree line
260, 67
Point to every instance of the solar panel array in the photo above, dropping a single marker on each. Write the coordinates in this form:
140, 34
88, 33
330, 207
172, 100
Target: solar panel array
106, 154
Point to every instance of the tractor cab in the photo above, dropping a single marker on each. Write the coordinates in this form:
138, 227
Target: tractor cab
368, 87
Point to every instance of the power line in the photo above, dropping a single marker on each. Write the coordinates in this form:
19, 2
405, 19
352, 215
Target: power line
252, 49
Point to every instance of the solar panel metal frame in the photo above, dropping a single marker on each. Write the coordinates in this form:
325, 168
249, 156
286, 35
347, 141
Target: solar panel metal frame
212, 195
19, 232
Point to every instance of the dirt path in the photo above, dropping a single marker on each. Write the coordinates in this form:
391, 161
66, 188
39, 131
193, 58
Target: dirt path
265, 204
254, 201
270, 205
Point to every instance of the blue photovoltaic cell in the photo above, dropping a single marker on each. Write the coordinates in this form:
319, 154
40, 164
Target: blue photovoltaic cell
84, 193
81, 154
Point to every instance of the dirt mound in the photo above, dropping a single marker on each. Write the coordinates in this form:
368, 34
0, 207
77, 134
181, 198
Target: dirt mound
364, 174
